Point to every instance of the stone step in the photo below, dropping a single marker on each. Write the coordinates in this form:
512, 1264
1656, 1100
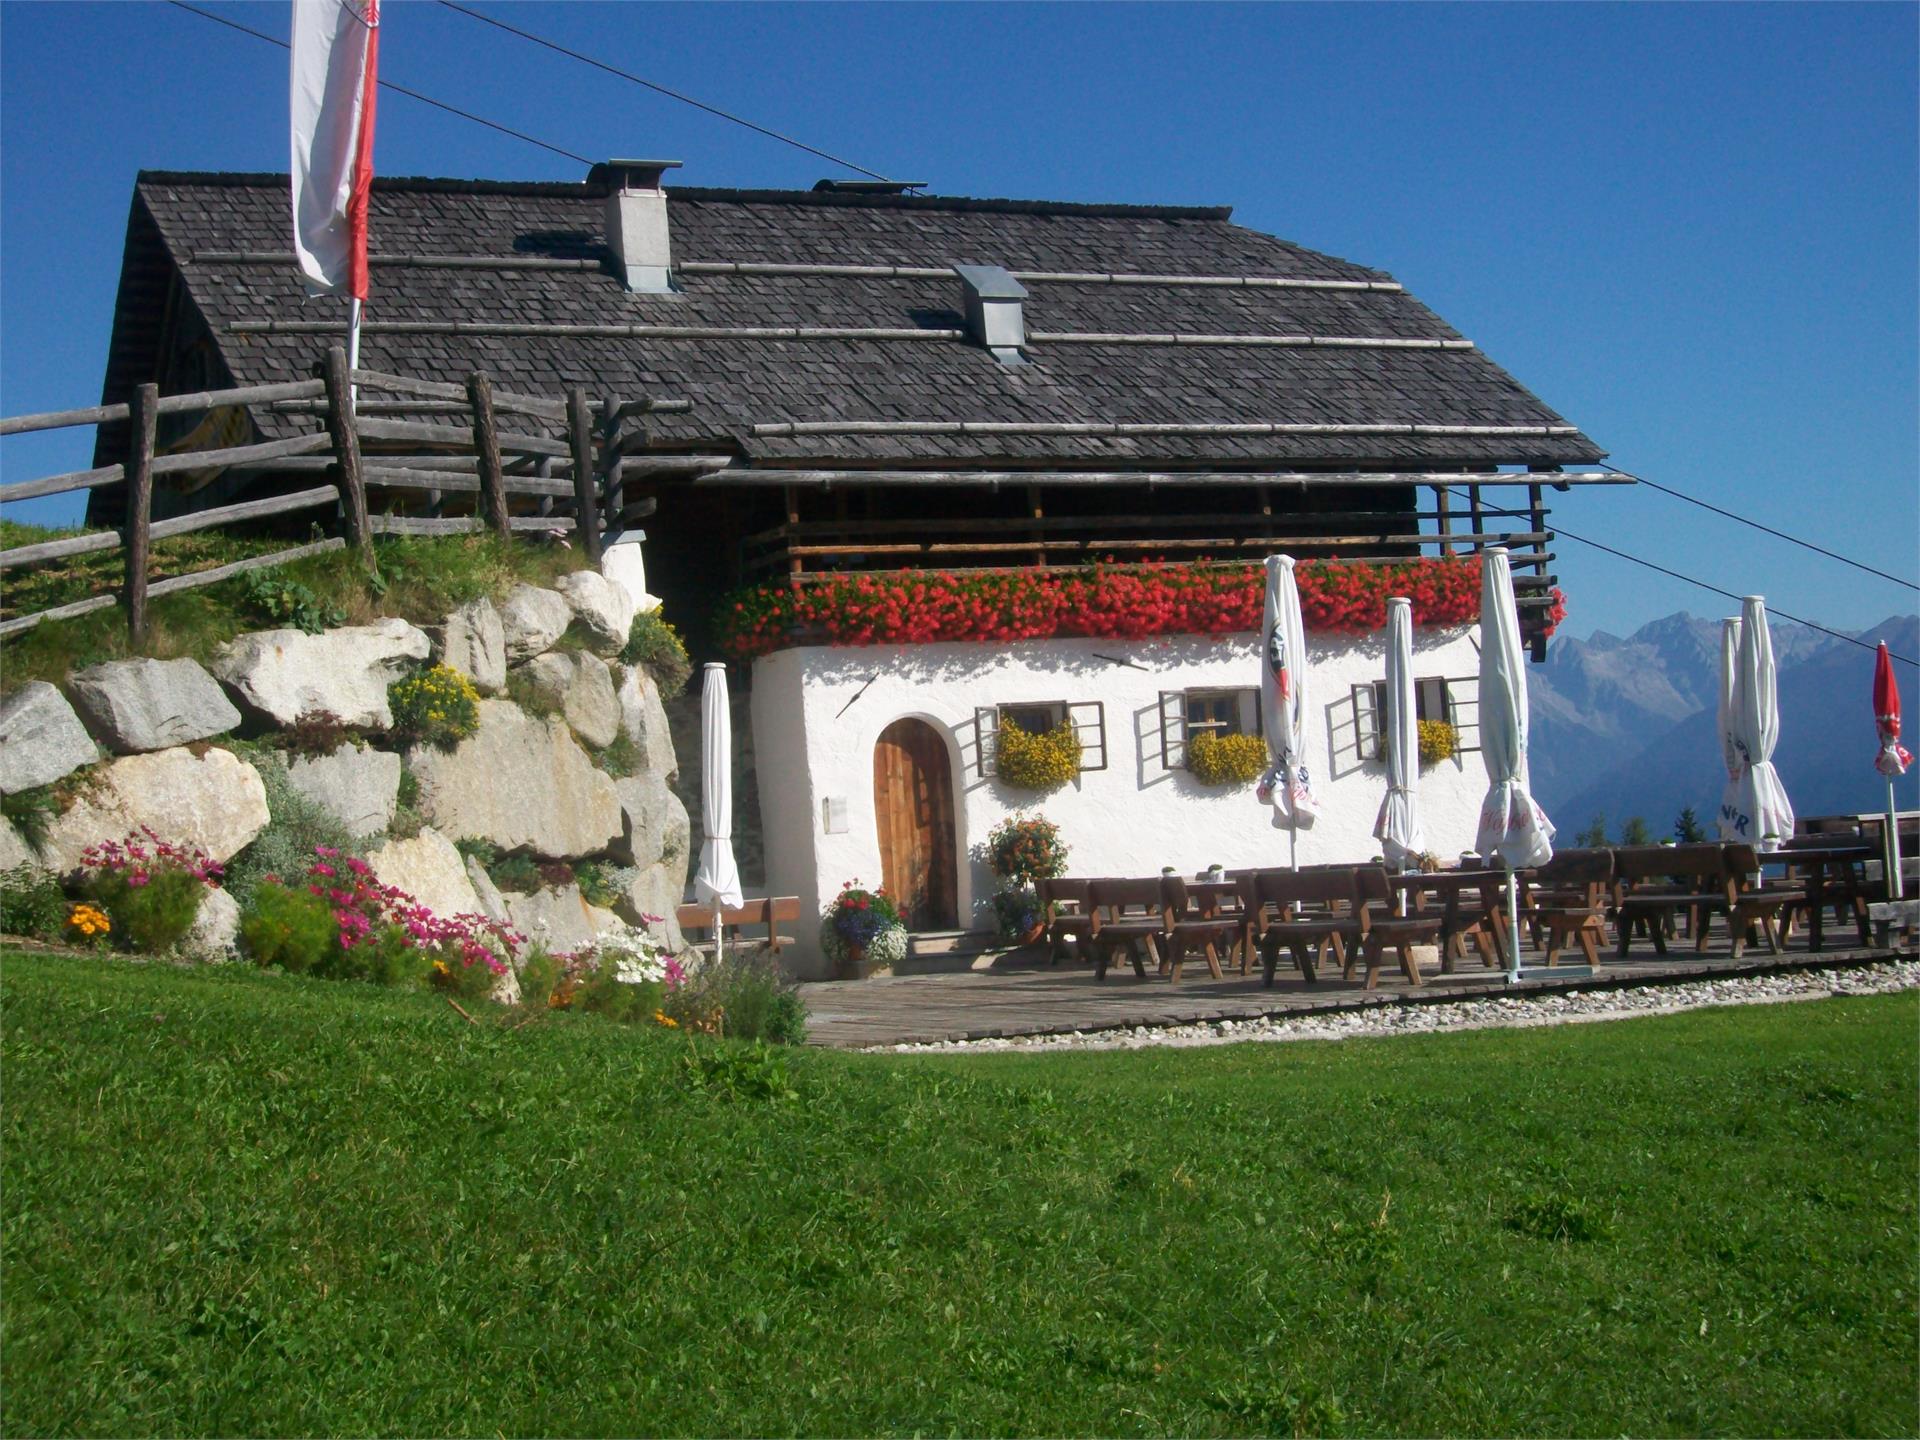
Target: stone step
924, 944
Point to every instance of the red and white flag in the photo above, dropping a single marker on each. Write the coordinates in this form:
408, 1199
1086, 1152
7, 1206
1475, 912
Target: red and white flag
336, 52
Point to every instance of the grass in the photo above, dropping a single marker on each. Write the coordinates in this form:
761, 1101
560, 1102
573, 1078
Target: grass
422, 578
243, 1203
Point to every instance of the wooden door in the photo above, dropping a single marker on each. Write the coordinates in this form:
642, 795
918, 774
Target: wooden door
913, 806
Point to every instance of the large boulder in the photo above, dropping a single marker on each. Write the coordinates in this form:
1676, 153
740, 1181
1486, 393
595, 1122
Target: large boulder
41, 739
519, 783
560, 919
651, 899
216, 928
473, 641
643, 719
602, 606
531, 620
655, 823
133, 706
581, 688
285, 674
358, 787
212, 799
428, 868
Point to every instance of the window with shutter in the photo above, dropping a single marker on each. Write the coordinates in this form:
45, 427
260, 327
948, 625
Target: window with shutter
1089, 719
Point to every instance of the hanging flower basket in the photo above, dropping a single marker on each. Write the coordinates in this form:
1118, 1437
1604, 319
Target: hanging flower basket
1439, 740
1226, 759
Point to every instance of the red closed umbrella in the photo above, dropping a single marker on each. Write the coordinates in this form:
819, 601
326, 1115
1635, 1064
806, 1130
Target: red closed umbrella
1893, 759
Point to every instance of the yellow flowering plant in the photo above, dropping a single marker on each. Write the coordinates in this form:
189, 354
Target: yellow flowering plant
1226, 759
437, 707
1037, 762
1439, 740
88, 923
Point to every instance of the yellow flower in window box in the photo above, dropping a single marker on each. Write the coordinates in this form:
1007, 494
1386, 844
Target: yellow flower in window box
1439, 740
1226, 759
1037, 762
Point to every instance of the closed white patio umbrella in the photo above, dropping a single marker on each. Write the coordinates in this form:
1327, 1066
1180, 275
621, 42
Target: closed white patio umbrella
1398, 826
717, 881
1512, 825
1283, 706
1754, 809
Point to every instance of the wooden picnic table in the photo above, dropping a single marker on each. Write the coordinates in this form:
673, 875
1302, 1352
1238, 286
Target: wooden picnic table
1820, 862
1448, 886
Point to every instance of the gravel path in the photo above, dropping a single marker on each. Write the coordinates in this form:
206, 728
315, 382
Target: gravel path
1565, 1007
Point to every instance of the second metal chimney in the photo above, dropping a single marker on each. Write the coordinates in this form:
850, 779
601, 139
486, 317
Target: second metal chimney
995, 316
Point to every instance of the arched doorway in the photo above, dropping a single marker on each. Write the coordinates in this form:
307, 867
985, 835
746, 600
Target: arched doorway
913, 808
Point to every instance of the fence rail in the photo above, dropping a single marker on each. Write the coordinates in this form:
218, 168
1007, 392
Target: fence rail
382, 442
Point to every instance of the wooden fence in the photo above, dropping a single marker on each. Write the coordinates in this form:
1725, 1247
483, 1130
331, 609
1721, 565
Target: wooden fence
562, 461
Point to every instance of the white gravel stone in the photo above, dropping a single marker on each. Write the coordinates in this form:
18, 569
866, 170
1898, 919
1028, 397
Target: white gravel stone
1490, 1013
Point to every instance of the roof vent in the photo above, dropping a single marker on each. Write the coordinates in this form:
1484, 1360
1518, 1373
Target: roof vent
637, 232
868, 187
994, 316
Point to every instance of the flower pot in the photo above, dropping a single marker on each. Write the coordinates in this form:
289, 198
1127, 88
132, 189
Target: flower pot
1034, 933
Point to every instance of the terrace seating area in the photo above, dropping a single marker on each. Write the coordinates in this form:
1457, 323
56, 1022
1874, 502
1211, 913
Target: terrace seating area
1360, 917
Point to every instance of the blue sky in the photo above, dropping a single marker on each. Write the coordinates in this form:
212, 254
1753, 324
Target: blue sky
1691, 229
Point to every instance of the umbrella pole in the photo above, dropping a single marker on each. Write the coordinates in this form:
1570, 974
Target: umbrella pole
1896, 882
1293, 847
1513, 926
719, 936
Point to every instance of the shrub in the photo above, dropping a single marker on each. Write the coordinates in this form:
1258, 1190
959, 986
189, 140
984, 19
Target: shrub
596, 881
32, 903
656, 646
31, 812
273, 597
315, 734
298, 827
518, 873
438, 707
743, 996
288, 926
620, 759
1439, 740
1226, 759
150, 887
1026, 848
626, 977
1037, 762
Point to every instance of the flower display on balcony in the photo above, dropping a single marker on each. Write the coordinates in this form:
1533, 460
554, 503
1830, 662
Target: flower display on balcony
1118, 601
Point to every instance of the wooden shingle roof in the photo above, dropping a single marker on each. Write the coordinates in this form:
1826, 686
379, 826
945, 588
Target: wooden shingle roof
228, 237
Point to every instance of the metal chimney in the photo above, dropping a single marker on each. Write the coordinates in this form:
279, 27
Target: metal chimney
637, 231
994, 310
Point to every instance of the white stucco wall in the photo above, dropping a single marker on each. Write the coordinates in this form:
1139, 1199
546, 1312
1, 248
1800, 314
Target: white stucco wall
815, 741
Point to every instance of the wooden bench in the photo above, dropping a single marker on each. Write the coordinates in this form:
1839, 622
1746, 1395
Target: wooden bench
768, 911
1309, 912
1567, 897
1128, 913
1069, 916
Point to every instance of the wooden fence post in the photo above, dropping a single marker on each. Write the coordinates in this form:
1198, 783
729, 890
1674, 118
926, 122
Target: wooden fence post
346, 453
615, 490
486, 446
141, 424
586, 507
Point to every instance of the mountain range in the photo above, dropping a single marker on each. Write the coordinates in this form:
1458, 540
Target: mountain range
1629, 726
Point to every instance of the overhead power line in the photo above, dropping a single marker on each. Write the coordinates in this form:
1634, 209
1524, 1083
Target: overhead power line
1702, 584
389, 85
671, 94
1777, 534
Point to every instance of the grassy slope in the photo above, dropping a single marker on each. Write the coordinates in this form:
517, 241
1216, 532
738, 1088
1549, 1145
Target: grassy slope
246, 1204
423, 578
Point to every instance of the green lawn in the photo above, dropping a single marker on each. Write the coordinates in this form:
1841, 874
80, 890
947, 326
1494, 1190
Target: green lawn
247, 1204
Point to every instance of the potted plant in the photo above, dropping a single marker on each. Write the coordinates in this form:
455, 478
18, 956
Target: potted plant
1037, 762
1020, 915
861, 932
1439, 740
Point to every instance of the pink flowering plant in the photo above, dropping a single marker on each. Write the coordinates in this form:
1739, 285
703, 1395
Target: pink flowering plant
342, 923
150, 888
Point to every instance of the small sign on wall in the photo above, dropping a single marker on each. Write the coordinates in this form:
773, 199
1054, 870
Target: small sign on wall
833, 814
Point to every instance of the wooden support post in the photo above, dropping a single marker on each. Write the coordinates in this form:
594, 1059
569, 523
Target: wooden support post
586, 504
346, 454
1038, 512
1535, 518
792, 497
616, 488
1473, 509
1442, 513
145, 412
486, 449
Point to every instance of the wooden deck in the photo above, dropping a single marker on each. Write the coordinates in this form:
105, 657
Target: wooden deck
1019, 994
